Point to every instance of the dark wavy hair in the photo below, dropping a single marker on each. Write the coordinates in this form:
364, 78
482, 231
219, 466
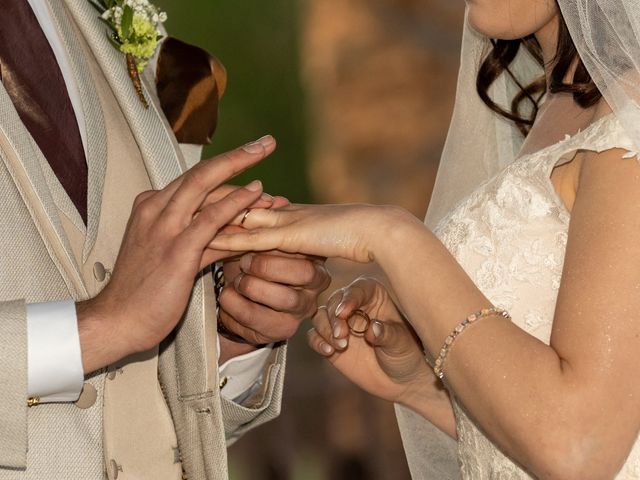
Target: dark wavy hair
584, 90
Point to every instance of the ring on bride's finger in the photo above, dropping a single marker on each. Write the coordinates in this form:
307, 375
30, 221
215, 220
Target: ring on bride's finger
353, 322
244, 217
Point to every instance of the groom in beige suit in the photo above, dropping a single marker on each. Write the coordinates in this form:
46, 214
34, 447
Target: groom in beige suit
97, 277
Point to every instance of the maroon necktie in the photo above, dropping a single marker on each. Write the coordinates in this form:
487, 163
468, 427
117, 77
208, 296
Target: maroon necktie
32, 77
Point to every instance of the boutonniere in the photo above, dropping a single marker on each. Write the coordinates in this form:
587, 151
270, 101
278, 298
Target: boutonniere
134, 30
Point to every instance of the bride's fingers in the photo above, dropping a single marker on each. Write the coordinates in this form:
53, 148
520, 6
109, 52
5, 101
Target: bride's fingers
322, 324
259, 218
204, 226
353, 298
317, 343
320, 337
339, 327
266, 201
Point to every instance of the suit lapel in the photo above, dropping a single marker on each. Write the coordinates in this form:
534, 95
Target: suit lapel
23, 158
94, 121
157, 143
160, 151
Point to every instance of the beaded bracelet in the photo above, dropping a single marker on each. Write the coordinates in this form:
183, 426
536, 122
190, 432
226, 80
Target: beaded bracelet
444, 351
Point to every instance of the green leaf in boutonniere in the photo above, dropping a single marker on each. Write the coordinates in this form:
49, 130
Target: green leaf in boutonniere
127, 22
135, 31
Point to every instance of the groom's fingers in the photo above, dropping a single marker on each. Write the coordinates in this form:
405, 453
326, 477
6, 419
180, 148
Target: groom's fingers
205, 164
211, 219
265, 200
271, 294
279, 202
256, 323
185, 194
256, 240
297, 271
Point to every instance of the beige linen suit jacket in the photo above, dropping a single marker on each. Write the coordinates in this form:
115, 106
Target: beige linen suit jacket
158, 415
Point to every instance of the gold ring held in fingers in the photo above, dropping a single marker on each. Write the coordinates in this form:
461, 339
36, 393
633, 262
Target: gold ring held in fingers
355, 325
244, 217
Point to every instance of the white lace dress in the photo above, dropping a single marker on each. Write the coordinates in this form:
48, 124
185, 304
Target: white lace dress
510, 236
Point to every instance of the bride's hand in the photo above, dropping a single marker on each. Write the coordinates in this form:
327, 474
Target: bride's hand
387, 360
351, 231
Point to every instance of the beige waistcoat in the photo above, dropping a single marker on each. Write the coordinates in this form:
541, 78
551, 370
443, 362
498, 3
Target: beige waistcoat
138, 431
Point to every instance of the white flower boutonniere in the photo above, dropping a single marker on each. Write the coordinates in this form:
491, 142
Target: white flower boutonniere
135, 31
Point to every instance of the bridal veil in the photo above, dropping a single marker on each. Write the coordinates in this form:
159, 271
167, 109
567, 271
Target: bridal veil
480, 142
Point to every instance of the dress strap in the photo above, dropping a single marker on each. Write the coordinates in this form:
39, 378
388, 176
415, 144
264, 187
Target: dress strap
603, 134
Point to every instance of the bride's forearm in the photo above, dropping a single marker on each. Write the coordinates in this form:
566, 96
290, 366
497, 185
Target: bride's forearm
515, 386
428, 281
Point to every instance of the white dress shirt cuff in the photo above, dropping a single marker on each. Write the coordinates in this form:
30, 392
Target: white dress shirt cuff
55, 372
243, 373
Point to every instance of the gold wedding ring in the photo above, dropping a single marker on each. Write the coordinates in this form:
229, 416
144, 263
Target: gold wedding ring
355, 325
244, 217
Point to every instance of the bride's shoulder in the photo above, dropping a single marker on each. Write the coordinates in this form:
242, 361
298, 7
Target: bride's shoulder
610, 160
613, 165
608, 138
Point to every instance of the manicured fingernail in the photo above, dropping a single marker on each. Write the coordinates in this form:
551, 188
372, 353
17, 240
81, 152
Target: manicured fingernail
266, 141
342, 343
266, 197
245, 262
254, 186
236, 281
377, 328
339, 308
326, 348
337, 331
253, 148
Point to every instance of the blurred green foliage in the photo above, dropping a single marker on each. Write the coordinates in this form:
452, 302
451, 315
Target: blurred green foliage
258, 43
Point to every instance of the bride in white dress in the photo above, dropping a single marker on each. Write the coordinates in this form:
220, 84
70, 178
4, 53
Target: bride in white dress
546, 229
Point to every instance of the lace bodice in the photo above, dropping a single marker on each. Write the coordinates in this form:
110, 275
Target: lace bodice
510, 236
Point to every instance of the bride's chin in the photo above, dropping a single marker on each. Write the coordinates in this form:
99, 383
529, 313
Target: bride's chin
510, 19
487, 25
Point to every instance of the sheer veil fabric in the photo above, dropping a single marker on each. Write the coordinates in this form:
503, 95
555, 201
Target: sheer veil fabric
480, 142
607, 36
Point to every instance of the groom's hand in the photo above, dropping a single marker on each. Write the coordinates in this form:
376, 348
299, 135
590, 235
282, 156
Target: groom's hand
164, 247
267, 296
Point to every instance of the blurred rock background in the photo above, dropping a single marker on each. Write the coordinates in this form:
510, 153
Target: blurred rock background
358, 94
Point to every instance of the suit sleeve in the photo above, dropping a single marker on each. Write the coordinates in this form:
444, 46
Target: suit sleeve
13, 385
263, 406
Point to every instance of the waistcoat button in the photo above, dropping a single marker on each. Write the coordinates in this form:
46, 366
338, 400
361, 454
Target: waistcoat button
99, 272
115, 468
112, 371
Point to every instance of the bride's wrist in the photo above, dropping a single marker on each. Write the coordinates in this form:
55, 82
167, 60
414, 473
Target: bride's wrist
400, 228
425, 393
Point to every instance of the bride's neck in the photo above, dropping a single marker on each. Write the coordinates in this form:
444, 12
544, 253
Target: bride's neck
547, 37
